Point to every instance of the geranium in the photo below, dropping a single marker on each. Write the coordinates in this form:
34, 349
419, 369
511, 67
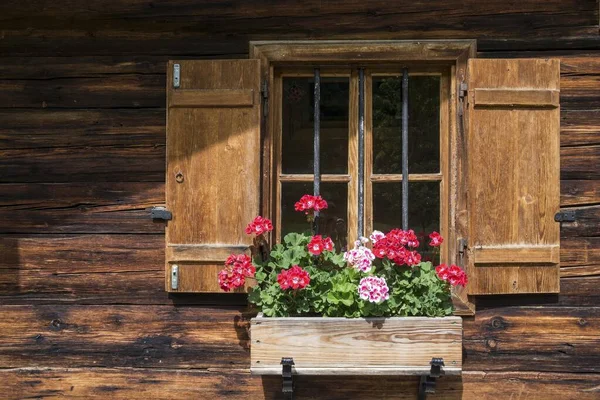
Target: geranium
259, 226
237, 269
294, 278
395, 246
436, 239
376, 235
310, 204
373, 289
318, 244
452, 274
360, 257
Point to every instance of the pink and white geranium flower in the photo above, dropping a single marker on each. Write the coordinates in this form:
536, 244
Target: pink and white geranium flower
373, 289
360, 257
376, 235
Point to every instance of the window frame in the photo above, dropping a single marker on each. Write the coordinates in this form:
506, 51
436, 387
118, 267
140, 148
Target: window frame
450, 54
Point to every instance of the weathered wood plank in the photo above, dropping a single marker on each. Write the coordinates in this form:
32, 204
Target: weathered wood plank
581, 255
580, 162
31, 129
141, 384
579, 127
84, 269
579, 193
211, 27
123, 336
77, 163
111, 91
80, 207
533, 338
341, 346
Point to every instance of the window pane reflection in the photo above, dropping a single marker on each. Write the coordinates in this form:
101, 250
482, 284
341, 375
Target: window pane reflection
297, 125
423, 125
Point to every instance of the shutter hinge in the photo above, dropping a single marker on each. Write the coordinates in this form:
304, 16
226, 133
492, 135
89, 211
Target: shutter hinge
565, 216
176, 75
462, 90
264, 91
160, 213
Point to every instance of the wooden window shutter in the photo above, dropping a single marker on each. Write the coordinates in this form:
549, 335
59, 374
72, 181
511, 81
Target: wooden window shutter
513, 174
213, 168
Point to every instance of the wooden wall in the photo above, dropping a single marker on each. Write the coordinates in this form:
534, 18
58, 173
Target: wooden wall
82, 155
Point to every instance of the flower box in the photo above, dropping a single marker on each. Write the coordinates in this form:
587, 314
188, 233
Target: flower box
356, 346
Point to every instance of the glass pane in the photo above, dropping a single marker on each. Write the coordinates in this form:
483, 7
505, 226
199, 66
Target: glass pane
332, 221
423, 125
297, 125
423, 210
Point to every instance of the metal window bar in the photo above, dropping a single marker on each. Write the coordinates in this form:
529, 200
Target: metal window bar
361, 151
405, 148
317, 142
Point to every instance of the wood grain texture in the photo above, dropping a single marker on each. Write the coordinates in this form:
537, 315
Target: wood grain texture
212, 98
211, 27
112, 55
516, 98
514, 164
215, 153
341, 346
532, 338
141, 384
122, 336
80, 207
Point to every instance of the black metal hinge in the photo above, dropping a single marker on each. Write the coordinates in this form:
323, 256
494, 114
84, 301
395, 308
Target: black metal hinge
427, 382
565, 216
287, 386
264, 91
160, 213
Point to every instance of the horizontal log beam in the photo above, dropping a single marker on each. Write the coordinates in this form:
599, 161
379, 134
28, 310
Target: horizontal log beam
141, 384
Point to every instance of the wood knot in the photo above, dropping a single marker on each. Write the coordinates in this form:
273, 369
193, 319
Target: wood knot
498, 323
55, 324
582, 322
491, 344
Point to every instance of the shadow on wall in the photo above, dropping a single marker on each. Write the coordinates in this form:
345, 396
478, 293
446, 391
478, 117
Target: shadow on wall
9, 266
361, 387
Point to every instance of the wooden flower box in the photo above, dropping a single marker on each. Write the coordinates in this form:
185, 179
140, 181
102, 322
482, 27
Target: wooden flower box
362, 346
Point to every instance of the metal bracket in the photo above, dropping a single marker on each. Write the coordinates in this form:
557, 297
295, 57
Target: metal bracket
174, 277
287, 386
427, 382
565, 216
176, 75
160, 213
462, 90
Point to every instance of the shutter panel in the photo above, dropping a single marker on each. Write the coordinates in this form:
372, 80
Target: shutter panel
212, 175
513, 174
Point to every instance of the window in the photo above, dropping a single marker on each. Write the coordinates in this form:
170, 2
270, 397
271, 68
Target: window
340, 149
483, 155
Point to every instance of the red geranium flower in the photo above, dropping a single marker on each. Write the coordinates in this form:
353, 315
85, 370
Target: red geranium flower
294, 278
452, 274
237, 269
259, 226
318, 244
436, 239
310, 204
395, 247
